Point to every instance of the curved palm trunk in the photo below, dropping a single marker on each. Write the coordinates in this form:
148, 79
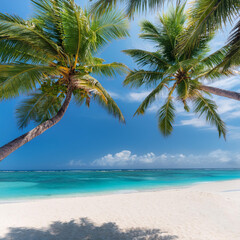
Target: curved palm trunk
27, 137
221, 92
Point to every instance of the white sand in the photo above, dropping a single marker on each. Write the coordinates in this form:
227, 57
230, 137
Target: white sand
208, 211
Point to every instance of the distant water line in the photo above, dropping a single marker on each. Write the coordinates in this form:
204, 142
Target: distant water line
16, 185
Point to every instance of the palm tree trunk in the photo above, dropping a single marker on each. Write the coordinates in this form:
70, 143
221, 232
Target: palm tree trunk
221, 92
27, 137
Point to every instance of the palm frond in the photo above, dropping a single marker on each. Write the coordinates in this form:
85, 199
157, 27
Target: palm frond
112, 25
96, 60
214, 74
81, 96
132, 6
144, 58
110, 69
232, 57
184, 65
166, 116
137, 78
207, 107
78, 37
16, 79
165, 34
100, 7
215, 58
39, 107
206, 16
183, 89
150, 32
150, 98
17, 51
47, 16
91, 85
16, 29
143, 5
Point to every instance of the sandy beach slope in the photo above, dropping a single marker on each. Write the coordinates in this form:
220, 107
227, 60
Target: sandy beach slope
207, 211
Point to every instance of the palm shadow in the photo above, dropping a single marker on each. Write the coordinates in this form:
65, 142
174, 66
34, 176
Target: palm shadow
85, 230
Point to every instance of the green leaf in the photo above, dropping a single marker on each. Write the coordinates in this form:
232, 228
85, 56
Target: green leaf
47, 16
110, 26
143, 58
78, 35
16, 29
207, 16
207, 107
16, 79
39, 107
81, 96
232, 57
150, 98
166, 116
132, 6
91, 85
17, 51
165, 34
110, 69
143, 5
137, 78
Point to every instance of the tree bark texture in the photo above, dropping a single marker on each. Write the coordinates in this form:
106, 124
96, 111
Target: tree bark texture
221, 92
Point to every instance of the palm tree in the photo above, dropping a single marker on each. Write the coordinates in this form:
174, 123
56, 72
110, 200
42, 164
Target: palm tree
179, 74
204, 18
52, 58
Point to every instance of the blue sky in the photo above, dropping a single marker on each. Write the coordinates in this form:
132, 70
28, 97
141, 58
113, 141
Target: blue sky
90, 138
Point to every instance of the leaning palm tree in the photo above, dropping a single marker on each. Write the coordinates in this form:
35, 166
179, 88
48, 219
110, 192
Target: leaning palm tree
180, 75
52, 58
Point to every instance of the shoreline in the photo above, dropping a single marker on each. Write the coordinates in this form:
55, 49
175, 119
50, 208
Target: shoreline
112, 192
202, 211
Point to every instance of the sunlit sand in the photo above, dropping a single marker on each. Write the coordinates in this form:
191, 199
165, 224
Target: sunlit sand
206, 211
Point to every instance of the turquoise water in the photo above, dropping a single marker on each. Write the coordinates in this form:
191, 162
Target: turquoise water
15, 185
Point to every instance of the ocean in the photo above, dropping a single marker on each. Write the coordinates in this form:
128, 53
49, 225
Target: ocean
15, 185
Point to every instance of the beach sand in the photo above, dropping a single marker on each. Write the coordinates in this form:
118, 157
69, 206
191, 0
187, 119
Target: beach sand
206, 211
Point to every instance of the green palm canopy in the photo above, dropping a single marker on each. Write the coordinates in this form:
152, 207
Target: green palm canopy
204, 18
180, 75
52, 57
207, 16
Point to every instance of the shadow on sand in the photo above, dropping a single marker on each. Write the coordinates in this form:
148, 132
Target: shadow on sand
85, 230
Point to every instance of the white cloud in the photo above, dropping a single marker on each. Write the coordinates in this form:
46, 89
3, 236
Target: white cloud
130, 97
195, 122
226, 83
222, 156
154, 108
233, 132
122, 158
228, 108
125, 159
137, 96
114, 95
76, 163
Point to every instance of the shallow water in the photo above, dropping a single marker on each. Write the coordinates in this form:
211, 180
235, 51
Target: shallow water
17, 185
